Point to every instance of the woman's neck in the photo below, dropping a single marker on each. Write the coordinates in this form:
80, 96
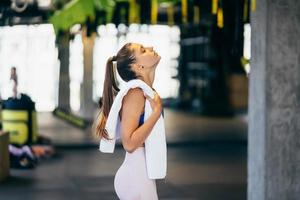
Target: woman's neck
149, 79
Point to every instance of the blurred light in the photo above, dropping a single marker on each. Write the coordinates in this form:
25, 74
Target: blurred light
174, 50
122, 28
31, 49
111, 29
247, 68
247, 46
44, 3
134, 28
101, 30
247, 41
75, 96
175, 33
144, 28
174, 63
76, 71
20, 5
165, 4
75, 29
105, 46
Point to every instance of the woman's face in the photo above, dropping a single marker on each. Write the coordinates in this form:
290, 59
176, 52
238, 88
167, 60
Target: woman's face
145, 56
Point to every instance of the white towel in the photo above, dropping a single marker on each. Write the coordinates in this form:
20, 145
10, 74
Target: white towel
155, 144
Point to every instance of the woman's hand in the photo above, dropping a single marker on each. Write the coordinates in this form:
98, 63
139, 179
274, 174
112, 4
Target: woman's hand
156, 103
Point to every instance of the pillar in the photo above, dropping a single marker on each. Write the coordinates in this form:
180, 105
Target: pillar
63, 41
274, 102
87, 107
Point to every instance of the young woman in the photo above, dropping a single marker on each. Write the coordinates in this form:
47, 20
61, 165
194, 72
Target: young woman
133, 61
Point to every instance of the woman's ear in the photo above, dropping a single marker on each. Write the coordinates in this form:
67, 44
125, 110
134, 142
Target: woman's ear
138, 66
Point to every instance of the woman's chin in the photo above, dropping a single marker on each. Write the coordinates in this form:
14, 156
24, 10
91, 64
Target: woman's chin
158, 59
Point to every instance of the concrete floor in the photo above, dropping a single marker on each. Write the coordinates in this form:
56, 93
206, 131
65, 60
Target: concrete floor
203, 163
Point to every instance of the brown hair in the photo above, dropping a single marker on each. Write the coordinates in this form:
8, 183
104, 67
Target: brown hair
124, 58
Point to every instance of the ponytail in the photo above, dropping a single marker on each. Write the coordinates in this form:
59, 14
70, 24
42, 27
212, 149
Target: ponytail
110, 89
125, 58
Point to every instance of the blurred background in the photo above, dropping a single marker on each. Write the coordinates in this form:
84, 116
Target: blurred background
52, 67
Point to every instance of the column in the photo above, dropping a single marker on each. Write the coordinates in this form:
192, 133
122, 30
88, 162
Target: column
274, 102
64, 79
88, 107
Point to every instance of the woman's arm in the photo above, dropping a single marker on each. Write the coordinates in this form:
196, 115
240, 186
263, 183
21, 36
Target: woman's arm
132, 107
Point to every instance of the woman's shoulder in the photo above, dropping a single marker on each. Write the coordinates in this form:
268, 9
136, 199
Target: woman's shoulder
133, 101
135, 96
135, 93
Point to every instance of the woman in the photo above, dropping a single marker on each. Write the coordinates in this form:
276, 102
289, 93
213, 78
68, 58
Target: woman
14, 82
133, 61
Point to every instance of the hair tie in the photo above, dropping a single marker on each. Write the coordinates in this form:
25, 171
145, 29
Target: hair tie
114, 60
114, 69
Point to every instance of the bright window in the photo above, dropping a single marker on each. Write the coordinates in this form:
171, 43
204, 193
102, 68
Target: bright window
31, 49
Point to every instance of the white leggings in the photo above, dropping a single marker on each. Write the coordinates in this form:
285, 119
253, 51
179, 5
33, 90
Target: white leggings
131, 180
